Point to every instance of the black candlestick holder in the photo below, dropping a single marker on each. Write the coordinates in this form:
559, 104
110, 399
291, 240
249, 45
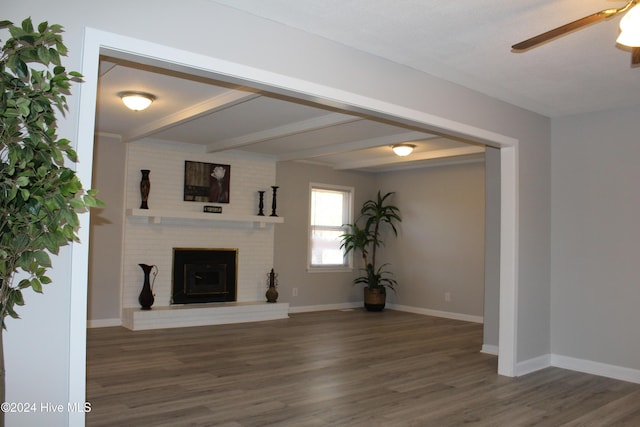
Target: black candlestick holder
261, 204
273, 202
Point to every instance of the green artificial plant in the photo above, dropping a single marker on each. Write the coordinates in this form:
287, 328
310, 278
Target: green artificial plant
365, 236
39, 195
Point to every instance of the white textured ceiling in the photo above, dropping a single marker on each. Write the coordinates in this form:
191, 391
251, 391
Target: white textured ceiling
468, 43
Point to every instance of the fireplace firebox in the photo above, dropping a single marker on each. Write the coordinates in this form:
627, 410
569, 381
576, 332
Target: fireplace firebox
204, 275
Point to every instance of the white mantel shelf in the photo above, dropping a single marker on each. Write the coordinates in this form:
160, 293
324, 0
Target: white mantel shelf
181, 316
156, 216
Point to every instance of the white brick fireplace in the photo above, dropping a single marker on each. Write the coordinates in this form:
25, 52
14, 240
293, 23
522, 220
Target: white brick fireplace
150, 235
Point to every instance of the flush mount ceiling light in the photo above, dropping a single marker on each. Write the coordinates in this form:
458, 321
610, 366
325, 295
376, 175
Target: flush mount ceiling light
136, 101
403, 149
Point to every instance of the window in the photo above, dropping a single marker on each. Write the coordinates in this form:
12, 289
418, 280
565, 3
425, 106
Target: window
331, 208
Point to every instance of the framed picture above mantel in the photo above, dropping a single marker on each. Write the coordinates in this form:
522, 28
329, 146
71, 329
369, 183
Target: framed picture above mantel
206, 182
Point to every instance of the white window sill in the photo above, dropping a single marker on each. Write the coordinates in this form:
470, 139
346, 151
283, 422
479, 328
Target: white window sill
330, 269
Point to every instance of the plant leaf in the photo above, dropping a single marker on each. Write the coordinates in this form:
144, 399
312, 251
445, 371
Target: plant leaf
36, 285
42, 27
43, 258
27, 25
21, 68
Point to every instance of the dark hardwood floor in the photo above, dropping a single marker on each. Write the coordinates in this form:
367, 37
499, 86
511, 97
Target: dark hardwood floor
335, 368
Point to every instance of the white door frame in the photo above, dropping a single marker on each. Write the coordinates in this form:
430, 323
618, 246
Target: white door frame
97, 42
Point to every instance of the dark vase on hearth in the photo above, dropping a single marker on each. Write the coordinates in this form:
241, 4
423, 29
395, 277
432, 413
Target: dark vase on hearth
272, 293
146, 298
145, 187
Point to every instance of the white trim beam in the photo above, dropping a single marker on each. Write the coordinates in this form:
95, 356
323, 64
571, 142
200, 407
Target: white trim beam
302, 126
509, 260
328, 150
414, 157
204, 108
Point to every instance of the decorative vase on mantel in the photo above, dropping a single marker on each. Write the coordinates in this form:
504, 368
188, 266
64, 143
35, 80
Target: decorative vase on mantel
145, 187
146, 297
272, 293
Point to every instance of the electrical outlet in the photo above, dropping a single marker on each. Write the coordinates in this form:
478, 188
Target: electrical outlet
447, 296
295, 292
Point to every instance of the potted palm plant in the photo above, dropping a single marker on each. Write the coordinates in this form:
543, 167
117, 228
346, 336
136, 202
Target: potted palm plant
364, 235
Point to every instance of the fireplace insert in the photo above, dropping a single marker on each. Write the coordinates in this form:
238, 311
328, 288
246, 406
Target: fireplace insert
204, 275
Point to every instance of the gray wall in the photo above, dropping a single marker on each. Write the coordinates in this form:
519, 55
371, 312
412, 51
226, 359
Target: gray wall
596, 238
212, 30
440, 244
291, 238
105, 262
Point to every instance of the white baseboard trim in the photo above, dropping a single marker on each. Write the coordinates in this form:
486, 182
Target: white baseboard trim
532, 365
325, 307
437, 313
489, 349
574, 364
103, 323
596, 368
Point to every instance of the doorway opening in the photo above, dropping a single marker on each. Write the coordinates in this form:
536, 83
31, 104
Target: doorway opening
97, 43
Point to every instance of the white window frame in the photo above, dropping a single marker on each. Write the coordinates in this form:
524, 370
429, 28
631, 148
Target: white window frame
347, 219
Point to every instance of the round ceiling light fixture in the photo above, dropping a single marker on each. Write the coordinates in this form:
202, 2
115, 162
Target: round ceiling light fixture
630, 28
403, 150
136, 101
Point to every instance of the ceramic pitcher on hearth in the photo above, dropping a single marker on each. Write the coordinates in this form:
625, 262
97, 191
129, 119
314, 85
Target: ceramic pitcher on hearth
146, 298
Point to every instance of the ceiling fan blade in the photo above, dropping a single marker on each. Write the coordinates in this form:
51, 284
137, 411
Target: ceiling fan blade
635, 56
567, 28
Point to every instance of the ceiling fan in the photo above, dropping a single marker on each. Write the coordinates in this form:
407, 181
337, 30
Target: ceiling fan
629, 25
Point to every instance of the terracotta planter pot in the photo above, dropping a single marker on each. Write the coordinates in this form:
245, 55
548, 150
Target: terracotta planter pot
374, 299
